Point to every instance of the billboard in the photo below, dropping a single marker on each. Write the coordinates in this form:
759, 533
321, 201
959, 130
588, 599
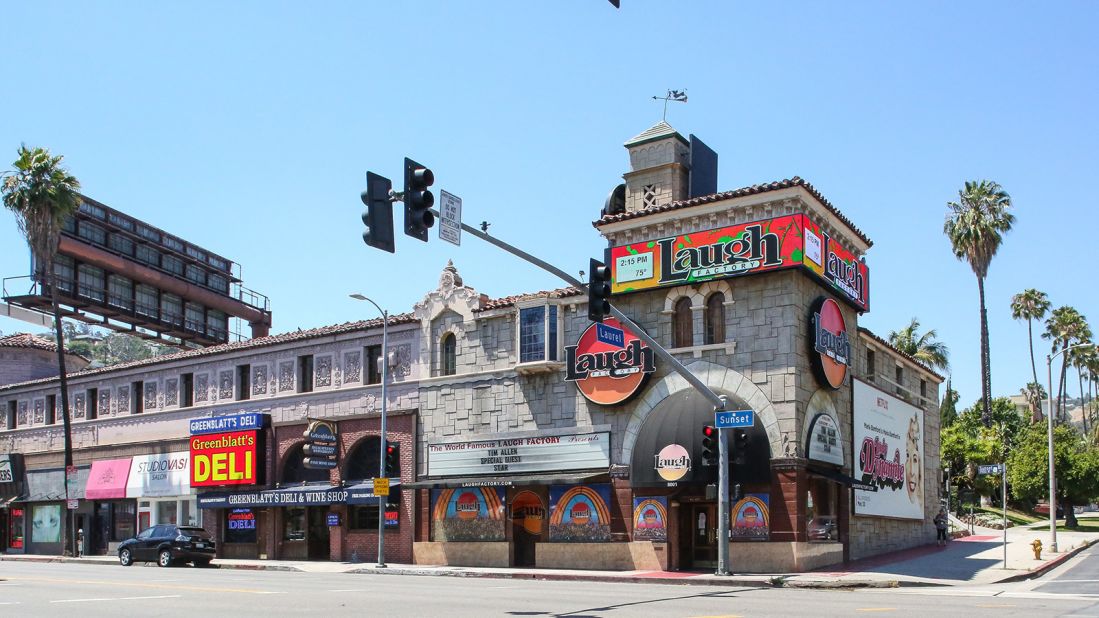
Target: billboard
888, 445
225, 459
789, 241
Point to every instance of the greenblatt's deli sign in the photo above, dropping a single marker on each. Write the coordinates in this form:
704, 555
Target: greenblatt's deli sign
791, 241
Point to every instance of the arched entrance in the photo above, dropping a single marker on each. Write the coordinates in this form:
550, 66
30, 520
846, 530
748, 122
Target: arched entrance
304, 529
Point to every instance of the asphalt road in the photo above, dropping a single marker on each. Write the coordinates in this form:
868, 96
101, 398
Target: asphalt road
72, 589
1081, 575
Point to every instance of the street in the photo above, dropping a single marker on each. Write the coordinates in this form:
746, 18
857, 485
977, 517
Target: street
64, 589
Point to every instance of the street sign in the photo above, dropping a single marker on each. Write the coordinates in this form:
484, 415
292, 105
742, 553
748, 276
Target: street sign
729, 419
610, 335
450, 218
989, 469
381, 487
74, 504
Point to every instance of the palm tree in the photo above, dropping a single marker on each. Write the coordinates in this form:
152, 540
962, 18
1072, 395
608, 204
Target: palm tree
1065, 327
975, 226
1081, 359
43, 194
1030, 305
923, 347
1035, 394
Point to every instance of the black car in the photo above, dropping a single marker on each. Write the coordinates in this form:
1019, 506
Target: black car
167, 544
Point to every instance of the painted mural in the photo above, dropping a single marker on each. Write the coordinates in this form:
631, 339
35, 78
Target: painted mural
650, 519
752, 518
580, 513
468, 514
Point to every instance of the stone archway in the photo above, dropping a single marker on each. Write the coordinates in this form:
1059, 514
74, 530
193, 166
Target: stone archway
721, 380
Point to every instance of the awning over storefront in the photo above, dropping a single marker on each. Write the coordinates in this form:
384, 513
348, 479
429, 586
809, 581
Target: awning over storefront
155, 476
363, 493
557, 478
11, 478
49, 485
303, 495
107, 479
840, 477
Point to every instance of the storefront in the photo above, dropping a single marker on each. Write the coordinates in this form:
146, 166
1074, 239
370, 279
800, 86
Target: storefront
11, 515
161, 484
46, 522
114, 516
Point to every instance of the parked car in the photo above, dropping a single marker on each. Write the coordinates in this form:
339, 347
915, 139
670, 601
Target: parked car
823, 528
1042, 508
167, 544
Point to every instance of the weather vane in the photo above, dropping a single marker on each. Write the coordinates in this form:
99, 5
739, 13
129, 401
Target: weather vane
673, 95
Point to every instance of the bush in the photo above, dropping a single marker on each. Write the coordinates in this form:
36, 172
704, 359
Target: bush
986, 520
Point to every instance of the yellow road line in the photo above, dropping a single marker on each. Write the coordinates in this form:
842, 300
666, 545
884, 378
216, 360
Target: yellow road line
57, 580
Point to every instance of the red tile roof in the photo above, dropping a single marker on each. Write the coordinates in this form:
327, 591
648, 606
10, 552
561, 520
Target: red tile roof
744, 191
27, 340
883, 342
507, 301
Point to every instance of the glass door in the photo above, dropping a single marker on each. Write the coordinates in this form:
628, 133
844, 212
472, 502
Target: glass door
703, 524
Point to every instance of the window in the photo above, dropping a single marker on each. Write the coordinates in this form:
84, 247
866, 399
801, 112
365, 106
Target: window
365, 516
870, 365
69, 225
715, 318
93, 404
91, 282
171, 309
217, 325
363, 462
538, 334
821, 510
64, 270
121, 244
146, 301
217, 282
373, 364
51, 409
10, 417
120, 292
120, 221
305, 373
649, 196
448, 361
682, 324
91, 232
172, 264
148, 233
194, 318
900, 380
293, 524
240, 526
148, 254
923, 388
196, 274
244, 386
93, 210
187, 390
137, 398
172, 242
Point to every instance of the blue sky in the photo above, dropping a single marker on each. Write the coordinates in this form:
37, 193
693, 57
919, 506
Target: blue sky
248, 127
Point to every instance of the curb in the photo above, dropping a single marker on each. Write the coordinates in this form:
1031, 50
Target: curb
68, 560
1049, 565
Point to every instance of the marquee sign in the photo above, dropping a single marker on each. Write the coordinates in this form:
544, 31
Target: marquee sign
607, 374
789, 241
519, 455
830, 347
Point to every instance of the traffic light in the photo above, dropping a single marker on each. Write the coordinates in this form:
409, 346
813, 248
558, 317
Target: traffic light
417, 199
740, 447
392, 459
738, 493
709, 445
599, 291
378, 215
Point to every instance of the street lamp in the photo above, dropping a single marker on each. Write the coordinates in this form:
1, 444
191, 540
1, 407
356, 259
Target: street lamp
1049, 428
384, 440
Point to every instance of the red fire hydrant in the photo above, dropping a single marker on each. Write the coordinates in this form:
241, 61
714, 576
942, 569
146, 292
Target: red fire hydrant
1037, 547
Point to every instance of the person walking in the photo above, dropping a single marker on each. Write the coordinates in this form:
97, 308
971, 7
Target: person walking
941, 524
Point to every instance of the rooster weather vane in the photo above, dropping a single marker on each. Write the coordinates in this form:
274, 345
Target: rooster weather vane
680, 96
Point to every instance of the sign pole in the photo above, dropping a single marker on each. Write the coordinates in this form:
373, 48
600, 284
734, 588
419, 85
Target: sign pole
1003, 475
722, 499
384, 441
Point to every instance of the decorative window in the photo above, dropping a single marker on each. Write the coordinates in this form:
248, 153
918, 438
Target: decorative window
715, 318
682, 324
649, 196
122, 400
225, 384
150, 395
352, 367
39, 411
448, 362
105, 402
202, 387
91, 282
324, 371
78, 406
286, 376
538, 334
171, 391
259, 380
120, 292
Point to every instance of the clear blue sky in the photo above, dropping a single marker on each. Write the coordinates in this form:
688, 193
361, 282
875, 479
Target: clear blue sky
247, 128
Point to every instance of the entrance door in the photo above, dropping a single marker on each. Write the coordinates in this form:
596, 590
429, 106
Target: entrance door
318, 533
703, 544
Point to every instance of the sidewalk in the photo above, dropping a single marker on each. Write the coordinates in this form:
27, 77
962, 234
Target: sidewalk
973, 560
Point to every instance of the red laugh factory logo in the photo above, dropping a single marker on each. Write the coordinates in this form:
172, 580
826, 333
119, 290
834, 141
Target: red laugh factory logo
831, 348
605, 374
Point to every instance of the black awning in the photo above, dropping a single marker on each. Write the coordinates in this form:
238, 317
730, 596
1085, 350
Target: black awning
840, 477
555, 478
363, 493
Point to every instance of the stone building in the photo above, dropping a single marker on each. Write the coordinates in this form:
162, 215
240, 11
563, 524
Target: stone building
27, 357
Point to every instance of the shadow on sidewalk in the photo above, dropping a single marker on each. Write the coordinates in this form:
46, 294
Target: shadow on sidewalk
955, 561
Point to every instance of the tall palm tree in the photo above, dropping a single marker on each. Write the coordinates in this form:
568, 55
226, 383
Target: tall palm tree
975, 225
1035, 394
43, 194
1081, 359
1030, 305
923, 347
1065, 327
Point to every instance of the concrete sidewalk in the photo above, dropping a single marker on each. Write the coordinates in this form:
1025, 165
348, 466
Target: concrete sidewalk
973, 560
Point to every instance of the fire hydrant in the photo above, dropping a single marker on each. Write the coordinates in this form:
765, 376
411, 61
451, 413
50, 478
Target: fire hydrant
1037, 547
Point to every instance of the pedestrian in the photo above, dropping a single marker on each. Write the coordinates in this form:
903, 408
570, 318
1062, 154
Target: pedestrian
940, 526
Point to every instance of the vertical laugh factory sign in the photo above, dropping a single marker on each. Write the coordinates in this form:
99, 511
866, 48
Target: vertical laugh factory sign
888, 454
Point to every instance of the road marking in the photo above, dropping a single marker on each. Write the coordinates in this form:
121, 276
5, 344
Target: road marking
876, 609
162, 596
994, 605
1074, 581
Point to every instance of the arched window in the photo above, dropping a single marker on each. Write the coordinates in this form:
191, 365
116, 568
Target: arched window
295, 472
682, 326
448, 362
715, 318
363, 461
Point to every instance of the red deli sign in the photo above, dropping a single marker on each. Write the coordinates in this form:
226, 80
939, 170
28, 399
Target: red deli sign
224, 459
605, 374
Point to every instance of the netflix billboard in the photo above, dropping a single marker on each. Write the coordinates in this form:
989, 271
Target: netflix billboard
789, 241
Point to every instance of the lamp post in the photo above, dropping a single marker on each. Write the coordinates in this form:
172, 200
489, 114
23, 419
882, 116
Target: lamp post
384, 442
1049, 436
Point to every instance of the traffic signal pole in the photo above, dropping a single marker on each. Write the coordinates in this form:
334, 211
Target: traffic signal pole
719, 401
